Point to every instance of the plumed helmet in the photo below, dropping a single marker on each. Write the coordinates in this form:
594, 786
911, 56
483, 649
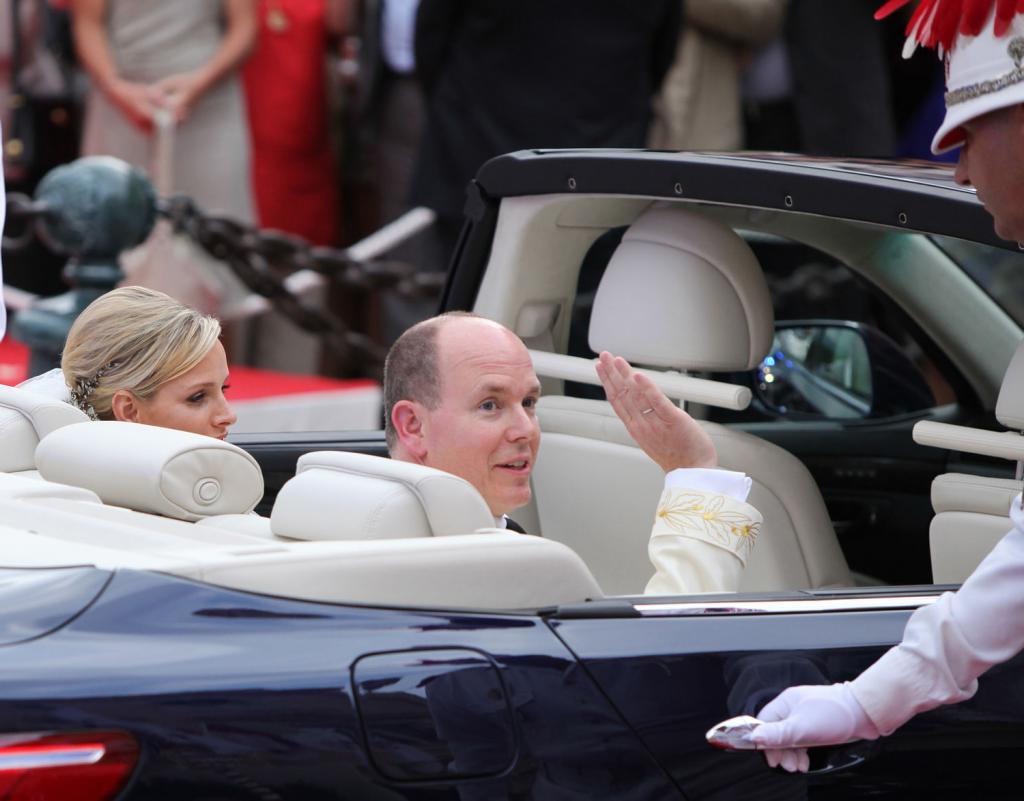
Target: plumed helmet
982, 42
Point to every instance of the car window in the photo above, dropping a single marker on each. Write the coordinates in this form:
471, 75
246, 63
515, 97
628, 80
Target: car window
1000, 273
843, 350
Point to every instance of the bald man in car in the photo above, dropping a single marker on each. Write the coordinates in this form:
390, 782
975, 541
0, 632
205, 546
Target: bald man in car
460, 395
946, 646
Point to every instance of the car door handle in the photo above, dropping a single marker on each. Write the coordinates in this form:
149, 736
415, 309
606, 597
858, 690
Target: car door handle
838, 759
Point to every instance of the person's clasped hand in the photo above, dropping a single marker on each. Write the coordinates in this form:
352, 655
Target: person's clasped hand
179, 93
808, 716
138, 102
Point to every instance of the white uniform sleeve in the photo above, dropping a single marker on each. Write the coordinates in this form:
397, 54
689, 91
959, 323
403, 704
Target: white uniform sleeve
947, 645
703, 532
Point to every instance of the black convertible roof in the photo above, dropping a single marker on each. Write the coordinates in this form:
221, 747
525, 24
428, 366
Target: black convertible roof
916, 195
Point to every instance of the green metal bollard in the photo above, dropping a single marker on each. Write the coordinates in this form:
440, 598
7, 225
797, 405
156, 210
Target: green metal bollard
92, 210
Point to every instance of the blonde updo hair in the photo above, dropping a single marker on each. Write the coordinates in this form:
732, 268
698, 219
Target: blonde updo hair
132, 338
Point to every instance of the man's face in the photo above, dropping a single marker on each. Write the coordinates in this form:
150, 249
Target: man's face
485, 429
992, 160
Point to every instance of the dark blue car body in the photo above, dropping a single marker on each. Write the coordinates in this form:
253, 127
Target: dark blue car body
233, 695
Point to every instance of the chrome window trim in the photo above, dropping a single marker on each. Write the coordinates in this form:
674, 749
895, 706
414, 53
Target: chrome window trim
785, 607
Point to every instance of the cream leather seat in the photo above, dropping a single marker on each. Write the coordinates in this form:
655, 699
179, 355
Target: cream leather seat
390, 533
972, 513
355, 496
681, 292
25, 418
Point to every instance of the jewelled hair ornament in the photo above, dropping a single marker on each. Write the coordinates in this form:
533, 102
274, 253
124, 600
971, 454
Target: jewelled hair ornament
83, 389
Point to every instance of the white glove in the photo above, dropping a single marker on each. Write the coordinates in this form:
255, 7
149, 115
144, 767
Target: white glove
802, 717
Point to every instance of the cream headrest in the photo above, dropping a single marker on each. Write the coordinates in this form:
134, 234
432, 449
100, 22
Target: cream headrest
25, 418
685, 292
354, 496
1010, 403
150, 469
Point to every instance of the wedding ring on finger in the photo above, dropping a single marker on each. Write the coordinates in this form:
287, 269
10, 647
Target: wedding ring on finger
647, 411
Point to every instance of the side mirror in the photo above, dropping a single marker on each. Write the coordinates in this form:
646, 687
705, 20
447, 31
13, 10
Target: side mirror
838, 370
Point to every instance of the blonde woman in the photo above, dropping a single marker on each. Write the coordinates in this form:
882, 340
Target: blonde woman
136, 354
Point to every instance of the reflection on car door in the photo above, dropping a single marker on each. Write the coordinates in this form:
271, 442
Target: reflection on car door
673, 670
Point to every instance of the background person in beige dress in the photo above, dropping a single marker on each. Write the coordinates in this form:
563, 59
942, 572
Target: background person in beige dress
181, 56
699, 106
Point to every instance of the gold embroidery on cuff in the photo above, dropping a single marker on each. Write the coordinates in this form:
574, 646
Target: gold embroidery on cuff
708, 517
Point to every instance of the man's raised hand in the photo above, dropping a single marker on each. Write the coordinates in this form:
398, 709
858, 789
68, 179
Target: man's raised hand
663, 431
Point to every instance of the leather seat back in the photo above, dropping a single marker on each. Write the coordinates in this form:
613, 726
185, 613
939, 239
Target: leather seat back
355, 496
681, 292
25, 418
597, 492
972, 513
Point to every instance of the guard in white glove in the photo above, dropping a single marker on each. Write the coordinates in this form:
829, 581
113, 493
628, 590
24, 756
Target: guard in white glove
945, 648
803, 717
949, 644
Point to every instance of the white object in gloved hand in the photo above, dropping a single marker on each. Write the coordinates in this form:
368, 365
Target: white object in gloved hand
808, 716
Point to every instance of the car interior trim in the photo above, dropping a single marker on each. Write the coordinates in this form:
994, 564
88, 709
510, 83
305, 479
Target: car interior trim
769, 607
675, 385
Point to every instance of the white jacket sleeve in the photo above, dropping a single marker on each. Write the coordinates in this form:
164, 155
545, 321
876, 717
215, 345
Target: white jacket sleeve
701, 538
947, 645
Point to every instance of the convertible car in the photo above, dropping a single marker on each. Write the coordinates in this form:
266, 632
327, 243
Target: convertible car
295, 617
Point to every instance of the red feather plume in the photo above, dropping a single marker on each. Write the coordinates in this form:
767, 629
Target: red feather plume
937, 23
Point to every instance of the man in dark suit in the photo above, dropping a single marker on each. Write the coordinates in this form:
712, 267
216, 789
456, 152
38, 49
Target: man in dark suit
502, 76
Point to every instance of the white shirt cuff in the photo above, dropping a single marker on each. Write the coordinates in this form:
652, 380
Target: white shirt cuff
722, 482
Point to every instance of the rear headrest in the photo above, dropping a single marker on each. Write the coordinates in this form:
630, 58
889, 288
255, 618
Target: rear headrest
157, 470
353, 496
25, 418
684, 292
1010, 403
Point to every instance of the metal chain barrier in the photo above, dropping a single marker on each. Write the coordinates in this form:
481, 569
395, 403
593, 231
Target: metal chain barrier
22, 212
264, 261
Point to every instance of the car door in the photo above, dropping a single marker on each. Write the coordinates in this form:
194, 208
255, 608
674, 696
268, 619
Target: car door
674, 667
232, 695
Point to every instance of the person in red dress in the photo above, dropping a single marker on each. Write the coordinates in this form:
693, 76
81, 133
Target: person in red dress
295, 181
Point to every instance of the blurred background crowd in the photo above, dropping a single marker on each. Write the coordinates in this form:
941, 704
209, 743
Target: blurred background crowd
328, 119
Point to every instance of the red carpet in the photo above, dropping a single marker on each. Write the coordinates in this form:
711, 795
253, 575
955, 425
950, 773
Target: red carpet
13, 362
247, 383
